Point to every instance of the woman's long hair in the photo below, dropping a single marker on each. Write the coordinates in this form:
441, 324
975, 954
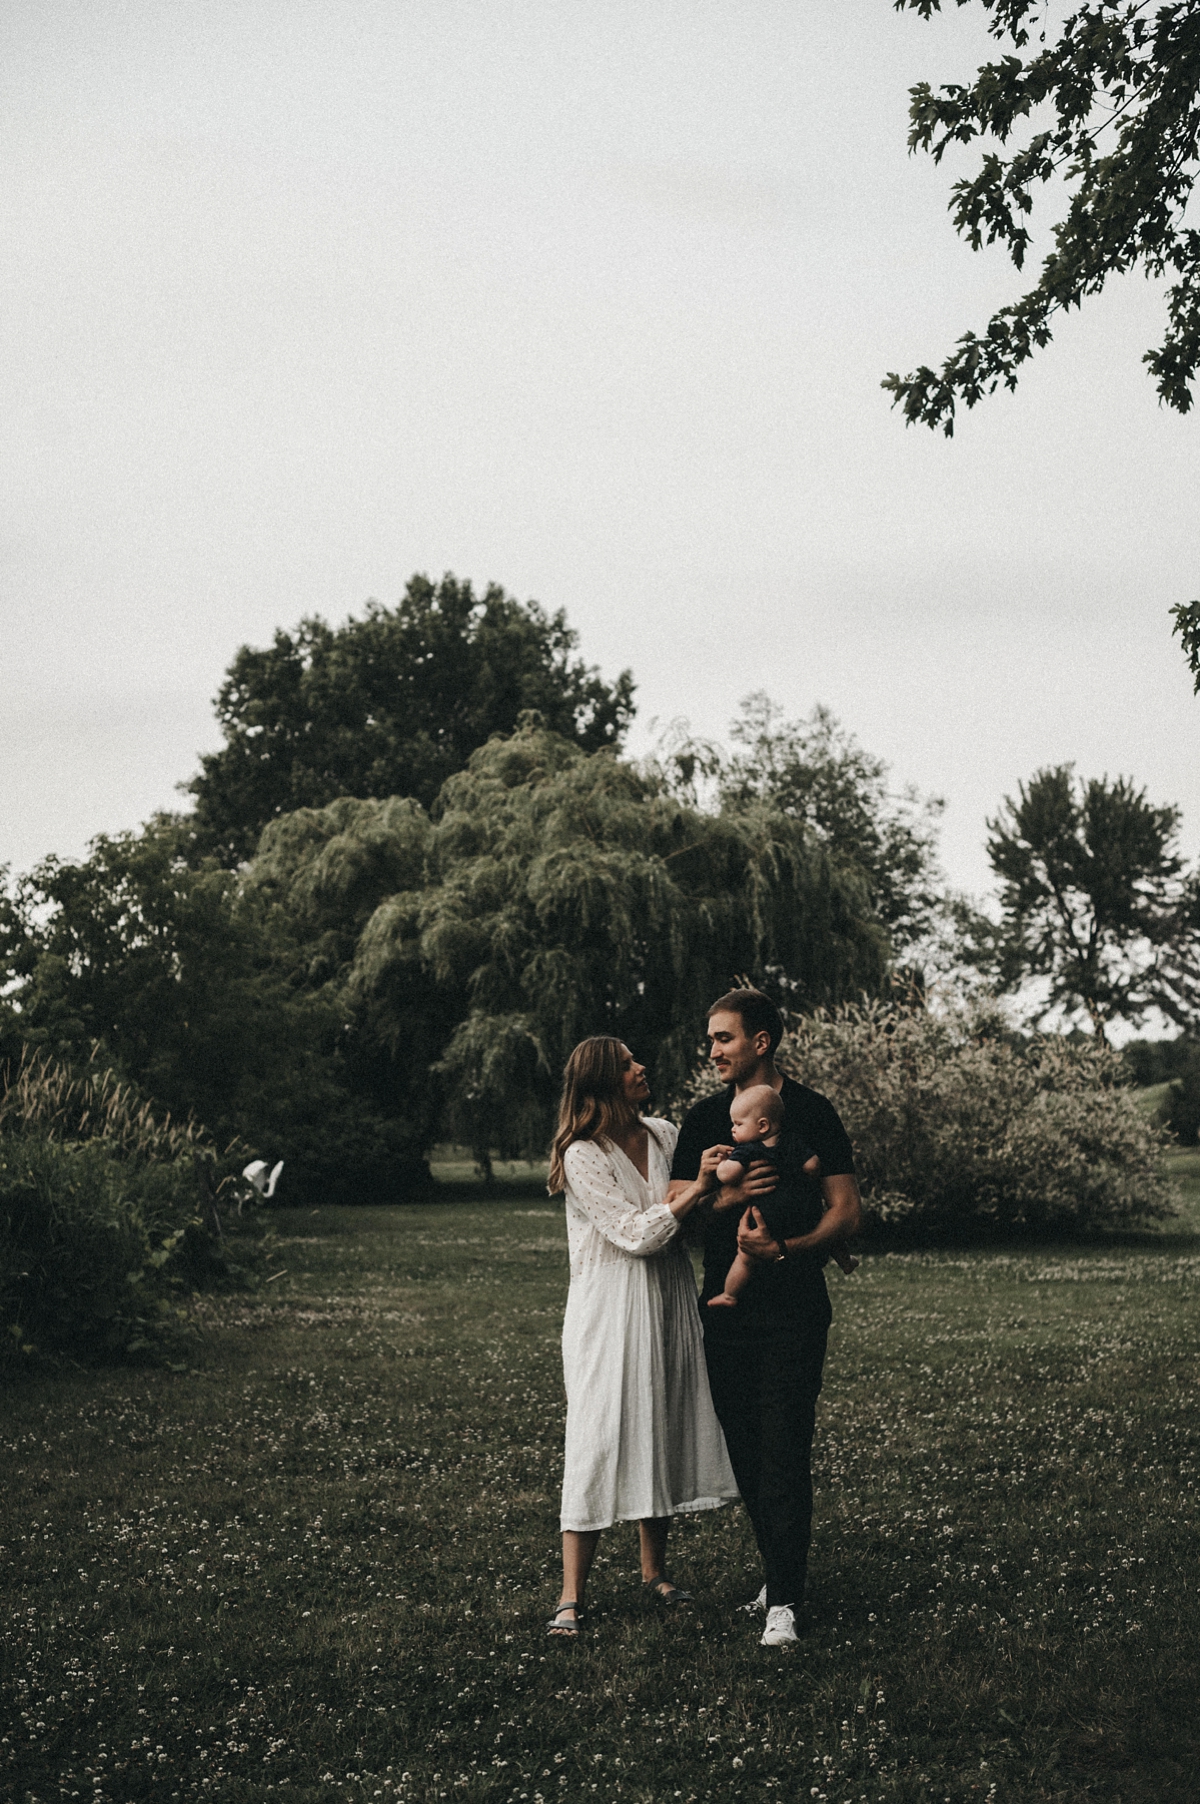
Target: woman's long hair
593, 1106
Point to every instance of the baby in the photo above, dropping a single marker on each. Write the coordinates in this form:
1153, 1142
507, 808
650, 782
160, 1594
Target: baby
757, 1123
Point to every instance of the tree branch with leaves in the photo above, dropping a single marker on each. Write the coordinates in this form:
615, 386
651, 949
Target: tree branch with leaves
1111, 108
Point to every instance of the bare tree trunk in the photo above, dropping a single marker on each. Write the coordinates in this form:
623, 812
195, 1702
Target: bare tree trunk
483, 1161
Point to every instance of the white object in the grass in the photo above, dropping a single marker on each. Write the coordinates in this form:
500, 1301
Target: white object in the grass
256, 1174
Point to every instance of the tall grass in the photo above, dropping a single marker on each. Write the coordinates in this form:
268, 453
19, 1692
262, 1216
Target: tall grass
46, 1095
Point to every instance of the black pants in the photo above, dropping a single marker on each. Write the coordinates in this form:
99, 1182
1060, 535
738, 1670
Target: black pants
765, 1386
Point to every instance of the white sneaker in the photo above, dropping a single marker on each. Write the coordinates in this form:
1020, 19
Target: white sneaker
781, 1627
756, 1603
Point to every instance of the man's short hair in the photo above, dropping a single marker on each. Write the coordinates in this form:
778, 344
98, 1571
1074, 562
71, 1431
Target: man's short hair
759, 1014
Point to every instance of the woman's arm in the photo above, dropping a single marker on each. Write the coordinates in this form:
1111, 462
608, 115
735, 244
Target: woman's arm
759, 1181
682, 1197
595, 1188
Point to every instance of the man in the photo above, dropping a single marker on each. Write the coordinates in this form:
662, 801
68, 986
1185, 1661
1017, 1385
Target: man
765, 1357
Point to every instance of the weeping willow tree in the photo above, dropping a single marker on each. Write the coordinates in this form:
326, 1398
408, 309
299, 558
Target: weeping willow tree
563, 894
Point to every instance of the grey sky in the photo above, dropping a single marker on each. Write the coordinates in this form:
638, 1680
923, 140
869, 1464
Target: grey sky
589, 299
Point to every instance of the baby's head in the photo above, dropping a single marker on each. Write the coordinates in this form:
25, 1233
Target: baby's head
756, 1113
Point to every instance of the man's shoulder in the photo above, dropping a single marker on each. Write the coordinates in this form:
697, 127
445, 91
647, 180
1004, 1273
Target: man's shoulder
812, 1117
805, 1100
705, 1124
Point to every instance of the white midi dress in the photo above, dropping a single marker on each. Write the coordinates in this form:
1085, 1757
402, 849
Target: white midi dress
643, 1439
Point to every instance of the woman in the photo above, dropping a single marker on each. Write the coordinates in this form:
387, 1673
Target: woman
643, 1441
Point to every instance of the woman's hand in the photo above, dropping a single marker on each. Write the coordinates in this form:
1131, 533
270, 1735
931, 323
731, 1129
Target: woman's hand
683, 1196
760, 1180
755, 1239
710, 1158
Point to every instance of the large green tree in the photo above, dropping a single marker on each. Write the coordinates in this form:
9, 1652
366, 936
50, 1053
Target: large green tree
380, 972
816, 773
558, 894
1096, 900
390, 704
1106, 108
200, 991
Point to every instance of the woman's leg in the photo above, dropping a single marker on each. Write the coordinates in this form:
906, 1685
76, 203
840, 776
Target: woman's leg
579, 1550
653, 1536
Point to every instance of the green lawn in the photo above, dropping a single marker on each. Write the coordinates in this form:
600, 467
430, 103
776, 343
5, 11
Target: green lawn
317, 1562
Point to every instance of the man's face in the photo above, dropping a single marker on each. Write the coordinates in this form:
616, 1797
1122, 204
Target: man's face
735, 1055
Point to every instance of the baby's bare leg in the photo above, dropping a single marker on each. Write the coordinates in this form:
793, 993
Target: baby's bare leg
736, 1280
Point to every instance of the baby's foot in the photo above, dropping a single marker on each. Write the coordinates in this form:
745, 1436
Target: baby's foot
849, 1263
724, 1301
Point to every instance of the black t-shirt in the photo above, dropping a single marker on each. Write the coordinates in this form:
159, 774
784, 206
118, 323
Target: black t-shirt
778, 1292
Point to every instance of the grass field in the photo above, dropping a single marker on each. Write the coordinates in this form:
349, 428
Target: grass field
316, 1564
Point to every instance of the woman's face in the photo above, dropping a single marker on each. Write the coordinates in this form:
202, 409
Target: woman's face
633, 1078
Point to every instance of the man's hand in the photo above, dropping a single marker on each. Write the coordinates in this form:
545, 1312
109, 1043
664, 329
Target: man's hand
755, 1239
760, 1180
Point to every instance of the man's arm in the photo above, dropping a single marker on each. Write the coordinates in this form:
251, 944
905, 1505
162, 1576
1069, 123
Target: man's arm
842, 1218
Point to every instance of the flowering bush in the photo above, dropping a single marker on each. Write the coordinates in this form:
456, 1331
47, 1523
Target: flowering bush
961, 1127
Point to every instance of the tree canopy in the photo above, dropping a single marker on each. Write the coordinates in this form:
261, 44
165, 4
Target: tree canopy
390, 705
199, 991
1096, 900
1110, 109
558, 894
381, 973
816, 773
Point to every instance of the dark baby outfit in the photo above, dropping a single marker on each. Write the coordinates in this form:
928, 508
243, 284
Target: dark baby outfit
794, 1206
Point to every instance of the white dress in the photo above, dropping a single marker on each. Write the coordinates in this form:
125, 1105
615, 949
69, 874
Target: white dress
642, 1436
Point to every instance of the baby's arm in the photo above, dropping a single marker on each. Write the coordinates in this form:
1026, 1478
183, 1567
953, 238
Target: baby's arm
730, 1171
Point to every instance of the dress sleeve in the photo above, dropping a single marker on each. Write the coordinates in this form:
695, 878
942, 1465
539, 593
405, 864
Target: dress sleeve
595, 1189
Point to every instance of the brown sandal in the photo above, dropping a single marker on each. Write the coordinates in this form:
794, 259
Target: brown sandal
666, 1592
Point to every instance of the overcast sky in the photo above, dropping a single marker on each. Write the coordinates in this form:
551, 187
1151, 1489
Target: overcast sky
590, 299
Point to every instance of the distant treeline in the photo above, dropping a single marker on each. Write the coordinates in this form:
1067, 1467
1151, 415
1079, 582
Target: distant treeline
420, 868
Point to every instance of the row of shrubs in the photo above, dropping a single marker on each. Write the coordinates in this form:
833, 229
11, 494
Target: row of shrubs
962, 1127
108, 1218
